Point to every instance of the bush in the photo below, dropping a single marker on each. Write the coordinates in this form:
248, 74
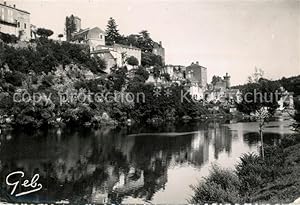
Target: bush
250, 172
133, 61
6, 38
14, 78
220, 186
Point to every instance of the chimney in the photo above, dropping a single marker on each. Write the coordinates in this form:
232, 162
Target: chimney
160, 43
197, 62
14, 5
4, 3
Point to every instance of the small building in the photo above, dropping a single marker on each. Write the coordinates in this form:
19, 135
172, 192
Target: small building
112, 58
128, 51
176, 72
15, 21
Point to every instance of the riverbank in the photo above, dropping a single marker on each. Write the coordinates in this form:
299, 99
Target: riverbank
276, 179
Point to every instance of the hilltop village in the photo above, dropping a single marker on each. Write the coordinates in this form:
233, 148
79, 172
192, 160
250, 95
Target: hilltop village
93, 59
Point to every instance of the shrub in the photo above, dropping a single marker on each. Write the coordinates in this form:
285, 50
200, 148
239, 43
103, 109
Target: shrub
7, 38
250, 171
14, 78
133, 61
220, 186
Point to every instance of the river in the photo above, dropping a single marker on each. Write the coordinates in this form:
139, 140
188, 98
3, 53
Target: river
128, 165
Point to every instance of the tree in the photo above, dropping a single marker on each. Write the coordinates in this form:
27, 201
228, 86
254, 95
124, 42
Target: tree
7, 38
150, 59
133, 61
44, 33
100, 64
258, 74
166, 76
215, 79
260, 99
112, 32
145, 42
264, 93
261, 116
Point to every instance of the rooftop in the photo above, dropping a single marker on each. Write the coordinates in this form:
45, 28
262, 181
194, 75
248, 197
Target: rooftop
13, 7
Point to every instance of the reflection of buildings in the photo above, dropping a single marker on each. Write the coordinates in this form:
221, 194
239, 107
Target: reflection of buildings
107, 165
129, 182
199, 148
221, 137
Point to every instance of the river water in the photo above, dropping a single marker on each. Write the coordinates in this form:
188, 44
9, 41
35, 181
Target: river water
128, 165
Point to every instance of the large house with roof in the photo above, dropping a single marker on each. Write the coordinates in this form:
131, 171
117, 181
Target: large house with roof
94, 37
15, 21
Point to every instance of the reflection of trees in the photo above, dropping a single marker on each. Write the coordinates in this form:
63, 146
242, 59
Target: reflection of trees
222, 138
252, 138
86, 165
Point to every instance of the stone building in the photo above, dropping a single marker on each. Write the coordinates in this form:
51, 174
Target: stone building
15, 21
159, 50
176, 72
117, 54
128, 51
93, 37
114, 55
197, 75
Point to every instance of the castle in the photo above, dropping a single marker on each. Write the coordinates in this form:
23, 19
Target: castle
15, 21
114, 55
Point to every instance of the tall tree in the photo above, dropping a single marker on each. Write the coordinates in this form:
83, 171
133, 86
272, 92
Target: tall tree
112, 32
145, 41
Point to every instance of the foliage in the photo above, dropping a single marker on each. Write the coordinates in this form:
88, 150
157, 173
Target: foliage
7, 38
255, 180
166, 76
112, 33
44, 33
220, 186
150, 59
265, 93
250, 171
291, 84
46, 55
215, 79
297, 110
256, 76
133, 61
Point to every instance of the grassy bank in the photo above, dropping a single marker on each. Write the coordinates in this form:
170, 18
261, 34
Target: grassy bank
275, 179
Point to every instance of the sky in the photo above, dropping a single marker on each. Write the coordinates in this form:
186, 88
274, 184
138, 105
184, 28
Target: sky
232, 36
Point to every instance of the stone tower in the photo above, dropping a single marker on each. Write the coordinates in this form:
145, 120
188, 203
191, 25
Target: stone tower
227, 80
73, 25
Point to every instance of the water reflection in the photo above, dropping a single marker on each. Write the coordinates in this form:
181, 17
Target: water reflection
110, 165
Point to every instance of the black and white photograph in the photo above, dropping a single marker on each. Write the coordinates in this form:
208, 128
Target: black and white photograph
149, 102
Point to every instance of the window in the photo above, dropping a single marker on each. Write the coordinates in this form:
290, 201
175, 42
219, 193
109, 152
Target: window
2, 13
18, 24
100, 36
24, 25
